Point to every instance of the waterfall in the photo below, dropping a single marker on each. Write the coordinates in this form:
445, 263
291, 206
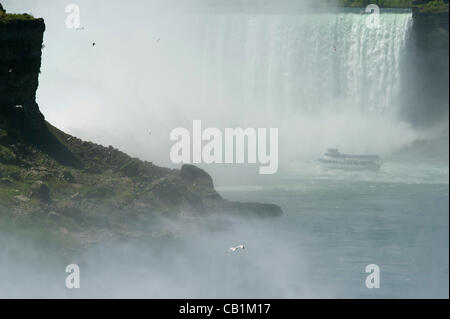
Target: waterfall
305, 62
323, 78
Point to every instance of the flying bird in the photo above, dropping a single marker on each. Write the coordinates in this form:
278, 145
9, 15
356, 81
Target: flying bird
234, 249
93, 44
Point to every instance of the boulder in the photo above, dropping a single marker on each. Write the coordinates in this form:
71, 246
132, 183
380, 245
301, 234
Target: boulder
194, 175
263, 209
251, 209
199, 181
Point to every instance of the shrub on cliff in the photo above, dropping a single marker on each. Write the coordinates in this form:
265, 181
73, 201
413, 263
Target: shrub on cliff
434, 6
11, 17
6, 155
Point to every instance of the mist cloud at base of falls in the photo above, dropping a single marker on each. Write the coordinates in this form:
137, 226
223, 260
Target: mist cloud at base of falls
193, 263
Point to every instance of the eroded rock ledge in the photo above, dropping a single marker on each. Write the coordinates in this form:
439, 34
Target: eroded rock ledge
110, 194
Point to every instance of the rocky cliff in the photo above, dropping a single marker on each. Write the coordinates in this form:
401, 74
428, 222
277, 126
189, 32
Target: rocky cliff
21, 39
80, 189
426, 94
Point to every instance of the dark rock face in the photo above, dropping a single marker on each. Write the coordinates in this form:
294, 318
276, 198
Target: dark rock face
244, 209
199, 181
20, 61
193, 174
426, 94
263, 210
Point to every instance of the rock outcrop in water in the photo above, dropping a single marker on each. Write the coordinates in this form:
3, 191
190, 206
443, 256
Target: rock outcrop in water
75, 187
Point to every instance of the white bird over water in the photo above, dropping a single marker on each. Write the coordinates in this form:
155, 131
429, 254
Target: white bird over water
234, 249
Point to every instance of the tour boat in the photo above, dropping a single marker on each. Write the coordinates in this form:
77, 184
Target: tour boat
333, 158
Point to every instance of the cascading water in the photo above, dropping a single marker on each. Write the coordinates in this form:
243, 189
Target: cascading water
307, 62
324, 79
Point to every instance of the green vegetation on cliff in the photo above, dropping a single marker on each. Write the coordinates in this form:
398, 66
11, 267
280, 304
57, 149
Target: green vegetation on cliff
12, 17
435, 6
423, 6
381, 3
